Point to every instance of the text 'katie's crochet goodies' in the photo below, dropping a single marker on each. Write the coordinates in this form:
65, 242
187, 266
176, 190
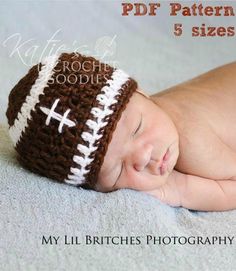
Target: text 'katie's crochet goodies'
62, 115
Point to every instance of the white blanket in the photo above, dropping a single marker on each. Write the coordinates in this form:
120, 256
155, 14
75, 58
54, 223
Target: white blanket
32, 207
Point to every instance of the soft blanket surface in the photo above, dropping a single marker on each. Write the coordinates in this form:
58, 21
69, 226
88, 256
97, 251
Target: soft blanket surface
33, 207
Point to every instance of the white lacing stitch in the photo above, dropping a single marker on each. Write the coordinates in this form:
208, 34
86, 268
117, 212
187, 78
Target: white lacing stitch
21, 121
105, 98
62, 118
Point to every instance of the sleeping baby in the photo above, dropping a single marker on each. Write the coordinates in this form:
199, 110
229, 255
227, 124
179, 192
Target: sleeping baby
82, 122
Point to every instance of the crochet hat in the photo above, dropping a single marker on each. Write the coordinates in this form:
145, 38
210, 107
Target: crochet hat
62, 115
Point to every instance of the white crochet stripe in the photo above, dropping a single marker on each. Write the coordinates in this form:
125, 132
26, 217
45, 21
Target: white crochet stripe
105, 98
61, 118
21, 121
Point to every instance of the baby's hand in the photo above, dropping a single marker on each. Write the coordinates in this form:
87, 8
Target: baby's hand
170, 193
197, 193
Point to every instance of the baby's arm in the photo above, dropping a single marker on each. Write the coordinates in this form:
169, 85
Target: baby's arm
197, 193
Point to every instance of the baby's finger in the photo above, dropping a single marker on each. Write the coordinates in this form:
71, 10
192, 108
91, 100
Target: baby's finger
166, 194
157, 193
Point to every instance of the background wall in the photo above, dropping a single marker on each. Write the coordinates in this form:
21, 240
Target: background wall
144, 46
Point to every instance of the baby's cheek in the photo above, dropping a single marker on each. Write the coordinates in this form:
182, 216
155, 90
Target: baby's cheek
143, 181
127, 181
130, 183
137, 182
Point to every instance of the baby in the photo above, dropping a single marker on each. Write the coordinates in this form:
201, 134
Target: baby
102, 132
179, 145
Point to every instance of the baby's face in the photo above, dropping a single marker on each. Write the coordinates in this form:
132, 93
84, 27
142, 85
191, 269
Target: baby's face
143, 150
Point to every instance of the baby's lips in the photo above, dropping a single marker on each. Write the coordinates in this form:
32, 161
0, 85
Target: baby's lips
160, 167
164, 162
154, 167
163, 168
166, 156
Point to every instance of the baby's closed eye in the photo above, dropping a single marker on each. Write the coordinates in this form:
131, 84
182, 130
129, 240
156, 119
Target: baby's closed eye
122, 162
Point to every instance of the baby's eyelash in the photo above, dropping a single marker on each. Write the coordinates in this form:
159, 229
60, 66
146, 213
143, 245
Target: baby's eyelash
138, 126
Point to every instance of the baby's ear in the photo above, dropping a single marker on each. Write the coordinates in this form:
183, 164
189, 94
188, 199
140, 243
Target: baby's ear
142, 93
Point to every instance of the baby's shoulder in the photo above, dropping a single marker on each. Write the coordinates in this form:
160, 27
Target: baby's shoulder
203, 153
207, 136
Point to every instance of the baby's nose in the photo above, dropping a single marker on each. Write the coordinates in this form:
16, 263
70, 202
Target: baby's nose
142, 156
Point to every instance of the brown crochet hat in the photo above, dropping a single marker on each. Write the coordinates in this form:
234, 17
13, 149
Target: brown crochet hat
62, 115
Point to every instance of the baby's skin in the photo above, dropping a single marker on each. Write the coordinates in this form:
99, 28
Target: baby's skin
180, 145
